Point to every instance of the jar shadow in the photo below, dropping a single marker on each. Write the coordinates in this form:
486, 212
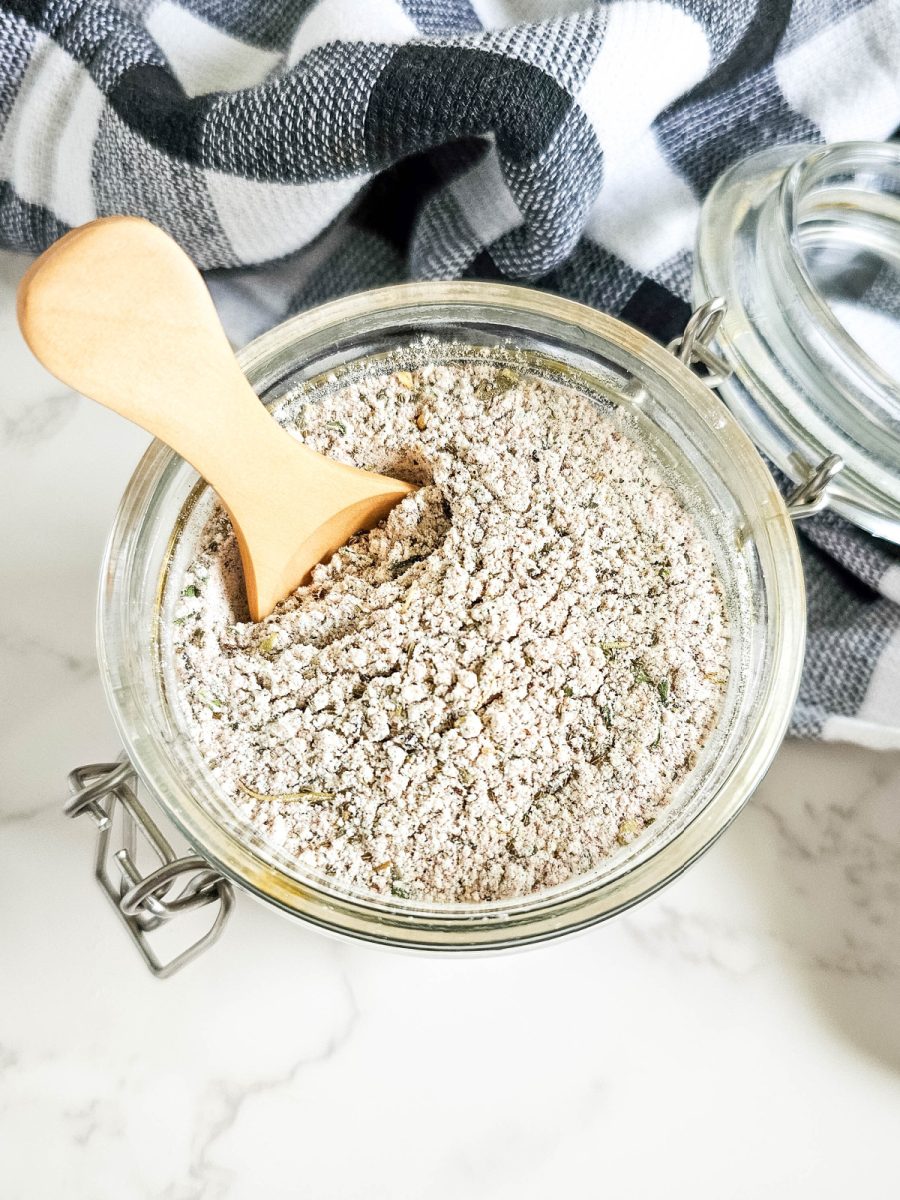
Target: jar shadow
821, 842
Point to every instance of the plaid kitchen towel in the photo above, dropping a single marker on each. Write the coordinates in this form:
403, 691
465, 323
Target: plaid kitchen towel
315, 147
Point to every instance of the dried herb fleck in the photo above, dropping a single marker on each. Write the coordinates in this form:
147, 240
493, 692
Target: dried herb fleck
338, 425
269, 645
307, 794
640, 672
711, 675
628, 831
398, 568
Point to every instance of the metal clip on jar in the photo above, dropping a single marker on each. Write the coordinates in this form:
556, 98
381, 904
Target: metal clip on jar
796, 250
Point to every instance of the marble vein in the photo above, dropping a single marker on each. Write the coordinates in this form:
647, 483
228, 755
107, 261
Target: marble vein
17, 645
37, 422
232, 1098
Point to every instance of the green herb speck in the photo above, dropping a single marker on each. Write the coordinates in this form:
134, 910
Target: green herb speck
338, 425
628, 830
663, 688
268, 645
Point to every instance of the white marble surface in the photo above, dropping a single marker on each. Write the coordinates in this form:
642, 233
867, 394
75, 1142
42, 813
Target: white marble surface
736, 1036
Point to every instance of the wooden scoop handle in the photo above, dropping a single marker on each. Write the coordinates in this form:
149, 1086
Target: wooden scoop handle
116, 310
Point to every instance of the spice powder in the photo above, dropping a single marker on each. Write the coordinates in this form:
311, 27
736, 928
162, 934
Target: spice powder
497, 687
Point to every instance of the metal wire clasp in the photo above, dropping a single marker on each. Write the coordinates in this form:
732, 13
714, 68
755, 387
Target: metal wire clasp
693, 346
811, 496
144, 902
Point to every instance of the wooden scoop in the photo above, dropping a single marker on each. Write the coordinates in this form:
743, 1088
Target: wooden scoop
116, 310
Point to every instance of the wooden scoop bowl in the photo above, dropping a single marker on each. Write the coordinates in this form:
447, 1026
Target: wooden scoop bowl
117, 311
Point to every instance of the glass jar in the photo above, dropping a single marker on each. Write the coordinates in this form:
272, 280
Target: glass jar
802, 245
708, 459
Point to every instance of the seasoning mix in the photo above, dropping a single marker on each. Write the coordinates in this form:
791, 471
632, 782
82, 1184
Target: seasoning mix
489, 693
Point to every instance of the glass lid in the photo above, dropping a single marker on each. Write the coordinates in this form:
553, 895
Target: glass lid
804, 247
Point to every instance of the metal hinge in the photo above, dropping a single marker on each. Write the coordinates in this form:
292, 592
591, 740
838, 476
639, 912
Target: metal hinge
693, 349
811, 496
144, 902
693, 346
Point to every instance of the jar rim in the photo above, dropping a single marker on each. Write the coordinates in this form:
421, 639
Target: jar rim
127, 568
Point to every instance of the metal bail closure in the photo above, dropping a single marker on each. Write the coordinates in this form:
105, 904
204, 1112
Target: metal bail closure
693, 346
144, 902
811, 496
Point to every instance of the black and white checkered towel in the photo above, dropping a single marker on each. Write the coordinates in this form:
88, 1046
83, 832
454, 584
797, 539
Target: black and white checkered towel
315, 147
